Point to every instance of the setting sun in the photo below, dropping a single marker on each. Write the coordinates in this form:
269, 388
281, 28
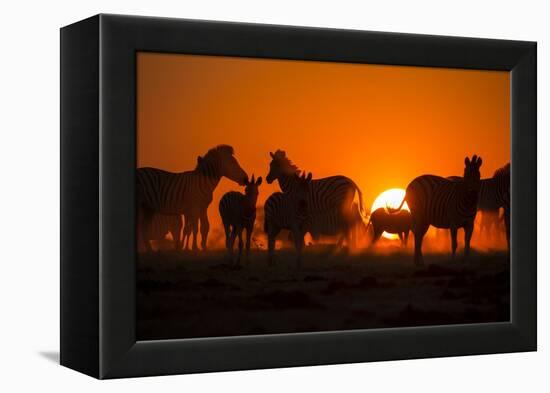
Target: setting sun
390, 198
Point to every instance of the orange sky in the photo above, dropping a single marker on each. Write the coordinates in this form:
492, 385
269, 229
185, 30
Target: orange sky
379, 125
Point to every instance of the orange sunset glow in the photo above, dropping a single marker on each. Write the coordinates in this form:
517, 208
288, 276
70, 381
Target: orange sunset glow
379, 125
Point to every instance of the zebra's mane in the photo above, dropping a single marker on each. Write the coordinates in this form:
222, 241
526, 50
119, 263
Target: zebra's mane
504, 171
224, 150
288, 166
221, 149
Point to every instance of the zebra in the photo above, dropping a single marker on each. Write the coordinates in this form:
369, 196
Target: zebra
288, 210
501, 192
494, 194
383, 220
333, 223
444, 203
328, 196
159, 226
238, 212
188, 193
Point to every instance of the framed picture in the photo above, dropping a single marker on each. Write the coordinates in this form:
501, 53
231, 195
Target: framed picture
239, 196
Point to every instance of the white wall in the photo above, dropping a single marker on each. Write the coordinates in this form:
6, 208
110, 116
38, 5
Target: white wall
29, 196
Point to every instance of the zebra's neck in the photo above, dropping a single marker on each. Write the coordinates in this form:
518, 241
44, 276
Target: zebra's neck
469, 197
287, 183
210, 173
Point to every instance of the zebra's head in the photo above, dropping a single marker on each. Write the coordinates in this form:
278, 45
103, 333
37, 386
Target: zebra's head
280, 166
472, 174
300, 195
251, 190
220, 162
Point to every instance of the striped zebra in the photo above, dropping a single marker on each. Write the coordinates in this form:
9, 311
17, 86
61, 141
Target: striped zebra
494, 194
188, 193
329, 197
288, 210
444, 203
332, 223
238, 212
500, 192
160, 226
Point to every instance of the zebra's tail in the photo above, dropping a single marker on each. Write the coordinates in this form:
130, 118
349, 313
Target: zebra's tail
392, 210
360, 197
368, 223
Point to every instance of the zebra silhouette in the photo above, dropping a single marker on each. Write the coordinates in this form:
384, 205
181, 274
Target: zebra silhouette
288, 210
188, 193
328, 197
238, 212
494, 194
398, 222
161, 225
500, 191
333, 223
444, 203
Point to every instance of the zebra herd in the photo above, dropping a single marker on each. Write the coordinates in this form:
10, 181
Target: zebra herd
320, 207
305, 205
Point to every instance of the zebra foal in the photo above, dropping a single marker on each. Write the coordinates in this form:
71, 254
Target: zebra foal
288, 210
238, 212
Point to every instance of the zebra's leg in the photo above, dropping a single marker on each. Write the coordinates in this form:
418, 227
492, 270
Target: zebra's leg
454, 232
205, 227
271, 236
468, 230
507, 223
232, 238
400, 234
419, 232
240, 236
352, 230
186, 235
227, 231
147, 222
298, 243
176, 234
340, 242
406, 239
376, 236
195, 231
248, 236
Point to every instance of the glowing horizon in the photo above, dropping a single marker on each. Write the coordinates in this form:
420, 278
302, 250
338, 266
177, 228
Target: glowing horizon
380, 125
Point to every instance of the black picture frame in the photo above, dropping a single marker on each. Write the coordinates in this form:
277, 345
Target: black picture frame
98, 156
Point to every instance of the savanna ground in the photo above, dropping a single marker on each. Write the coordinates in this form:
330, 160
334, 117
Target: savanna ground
184, 294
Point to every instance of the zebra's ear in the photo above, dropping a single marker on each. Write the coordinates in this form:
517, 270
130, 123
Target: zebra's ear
199, 160
259, 181
479, 162
271, 154
252, 181
309, 176
467, 161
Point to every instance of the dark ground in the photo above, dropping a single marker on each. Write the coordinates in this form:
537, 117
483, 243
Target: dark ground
184, 295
